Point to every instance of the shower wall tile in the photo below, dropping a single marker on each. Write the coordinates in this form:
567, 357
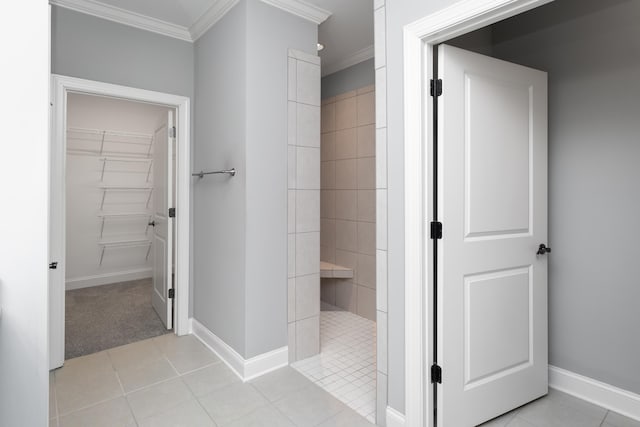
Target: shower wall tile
307, 253
366, 303
346, 174
366, 238
346, 144
348, 201
308, 168
366, 109
346, 204
366, 141
366, 205
307, 337
328, 146
346, 235
304, 180
346, 113
328, 204
308, 83
291, 299
328, 117
307, 296
307, 208
308, 126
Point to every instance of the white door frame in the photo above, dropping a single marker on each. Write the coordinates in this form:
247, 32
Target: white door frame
419, 37
60, 87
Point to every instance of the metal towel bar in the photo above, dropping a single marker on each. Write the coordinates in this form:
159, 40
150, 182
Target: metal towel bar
201, 174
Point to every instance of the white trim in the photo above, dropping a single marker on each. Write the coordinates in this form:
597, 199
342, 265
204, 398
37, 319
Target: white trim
245, 369
108, 278
599, 393
210, 17
394, 418
302, 9
419, 37
60, 86
125, 17
355, 58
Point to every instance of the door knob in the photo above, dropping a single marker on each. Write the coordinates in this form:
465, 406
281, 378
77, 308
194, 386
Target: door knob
152, 223
542, 249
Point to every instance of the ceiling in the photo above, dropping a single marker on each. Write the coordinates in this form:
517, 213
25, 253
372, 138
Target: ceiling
347, 33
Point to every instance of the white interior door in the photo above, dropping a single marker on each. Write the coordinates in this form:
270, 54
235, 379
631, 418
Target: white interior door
492, 305
163, 223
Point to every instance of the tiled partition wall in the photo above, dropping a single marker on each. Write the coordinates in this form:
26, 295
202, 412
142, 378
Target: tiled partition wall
348, 199
303, 205
381, 208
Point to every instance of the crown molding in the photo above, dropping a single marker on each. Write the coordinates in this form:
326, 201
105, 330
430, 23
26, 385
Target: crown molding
302, 9
356, 58
126, 17
210, 17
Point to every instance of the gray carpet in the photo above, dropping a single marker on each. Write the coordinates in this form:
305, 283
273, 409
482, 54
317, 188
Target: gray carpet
103, 317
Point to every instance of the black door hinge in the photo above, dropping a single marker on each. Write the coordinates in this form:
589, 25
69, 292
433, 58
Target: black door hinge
172, 293
172, 212
436, 374
436, 87
436, 230
53, 265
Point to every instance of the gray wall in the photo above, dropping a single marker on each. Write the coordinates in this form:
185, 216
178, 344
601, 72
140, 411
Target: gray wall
241, 121
357, 76
399, 13
594, 203
271, 32
220, 201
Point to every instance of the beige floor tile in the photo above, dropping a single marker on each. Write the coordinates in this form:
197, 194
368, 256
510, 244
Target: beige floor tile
267, 416
53, 410
112, 413
185, 353
347, 418
92, 364
614, 419
209, 379
135, 354
186, 414
500, 421
560, 410
159, 397
139, 376
74, 392
231, 403
520, 422
310, 406
280, 383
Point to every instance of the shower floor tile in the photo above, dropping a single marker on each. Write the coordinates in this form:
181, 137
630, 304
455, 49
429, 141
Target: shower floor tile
346, 365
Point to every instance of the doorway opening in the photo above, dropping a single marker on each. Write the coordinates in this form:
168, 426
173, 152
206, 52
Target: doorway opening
120, 173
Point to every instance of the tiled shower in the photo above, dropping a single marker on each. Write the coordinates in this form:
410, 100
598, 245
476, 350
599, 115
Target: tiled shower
348, 199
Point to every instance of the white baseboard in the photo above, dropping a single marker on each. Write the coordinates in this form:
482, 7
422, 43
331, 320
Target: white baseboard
596, 392
108, 278
394, 418
245, 369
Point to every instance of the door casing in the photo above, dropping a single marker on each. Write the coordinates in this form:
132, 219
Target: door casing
419, 38
60, 87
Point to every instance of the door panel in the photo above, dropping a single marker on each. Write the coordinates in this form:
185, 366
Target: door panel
492, 306
163, 229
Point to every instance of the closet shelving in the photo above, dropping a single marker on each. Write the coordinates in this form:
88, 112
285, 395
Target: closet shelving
123, 148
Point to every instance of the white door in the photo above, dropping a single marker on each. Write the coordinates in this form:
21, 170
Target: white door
163, 224
492, 304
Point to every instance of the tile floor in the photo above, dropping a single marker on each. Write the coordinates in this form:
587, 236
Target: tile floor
558, 409
177, 381
346, 365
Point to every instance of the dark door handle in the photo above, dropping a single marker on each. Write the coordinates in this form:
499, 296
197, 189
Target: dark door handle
53, 265
152, 223
542, 249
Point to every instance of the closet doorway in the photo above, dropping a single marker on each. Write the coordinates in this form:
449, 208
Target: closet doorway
120, 176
